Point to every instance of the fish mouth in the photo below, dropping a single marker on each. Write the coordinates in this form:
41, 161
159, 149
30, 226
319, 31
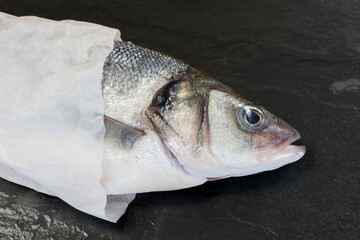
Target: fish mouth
282, 153
287, 144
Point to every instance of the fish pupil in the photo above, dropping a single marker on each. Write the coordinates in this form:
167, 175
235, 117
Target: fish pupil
252, 117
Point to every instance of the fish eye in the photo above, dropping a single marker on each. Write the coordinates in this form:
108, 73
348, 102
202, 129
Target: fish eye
250, 117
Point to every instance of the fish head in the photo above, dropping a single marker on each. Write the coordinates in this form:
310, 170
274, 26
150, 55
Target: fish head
247, 138
215, 133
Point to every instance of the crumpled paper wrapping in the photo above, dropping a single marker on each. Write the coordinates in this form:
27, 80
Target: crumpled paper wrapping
51, 110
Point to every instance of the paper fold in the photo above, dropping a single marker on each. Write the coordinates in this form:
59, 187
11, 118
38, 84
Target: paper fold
51, 110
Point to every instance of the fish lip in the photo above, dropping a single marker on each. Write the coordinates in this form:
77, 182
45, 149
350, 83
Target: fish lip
288, 142
283, 152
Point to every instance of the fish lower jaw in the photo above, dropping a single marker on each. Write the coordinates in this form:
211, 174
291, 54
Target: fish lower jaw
290, 154
283, 154
266, 159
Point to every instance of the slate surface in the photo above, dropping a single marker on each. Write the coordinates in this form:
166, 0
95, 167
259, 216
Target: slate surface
300, 59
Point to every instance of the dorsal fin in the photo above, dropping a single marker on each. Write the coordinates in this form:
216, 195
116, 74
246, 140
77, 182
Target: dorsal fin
119, 134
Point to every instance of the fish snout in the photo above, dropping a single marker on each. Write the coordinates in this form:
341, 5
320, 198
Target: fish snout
274, 141
277, 131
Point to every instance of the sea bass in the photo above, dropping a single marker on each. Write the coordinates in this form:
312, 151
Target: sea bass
170, 126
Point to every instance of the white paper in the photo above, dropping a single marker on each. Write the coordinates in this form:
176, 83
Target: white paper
51, 110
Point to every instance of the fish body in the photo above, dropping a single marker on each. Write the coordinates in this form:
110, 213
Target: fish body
170, 126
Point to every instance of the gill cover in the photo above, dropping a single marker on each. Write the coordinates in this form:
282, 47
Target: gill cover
179, 114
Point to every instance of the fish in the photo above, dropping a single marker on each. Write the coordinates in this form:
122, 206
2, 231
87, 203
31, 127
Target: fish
111, 120
171, 126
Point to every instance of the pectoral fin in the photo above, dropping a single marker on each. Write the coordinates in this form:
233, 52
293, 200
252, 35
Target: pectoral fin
116, 205
119, 134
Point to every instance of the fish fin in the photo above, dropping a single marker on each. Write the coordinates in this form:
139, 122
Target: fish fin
217, 178
119, 134
116, 205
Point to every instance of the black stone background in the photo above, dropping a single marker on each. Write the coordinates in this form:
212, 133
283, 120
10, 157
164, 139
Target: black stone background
296, 58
